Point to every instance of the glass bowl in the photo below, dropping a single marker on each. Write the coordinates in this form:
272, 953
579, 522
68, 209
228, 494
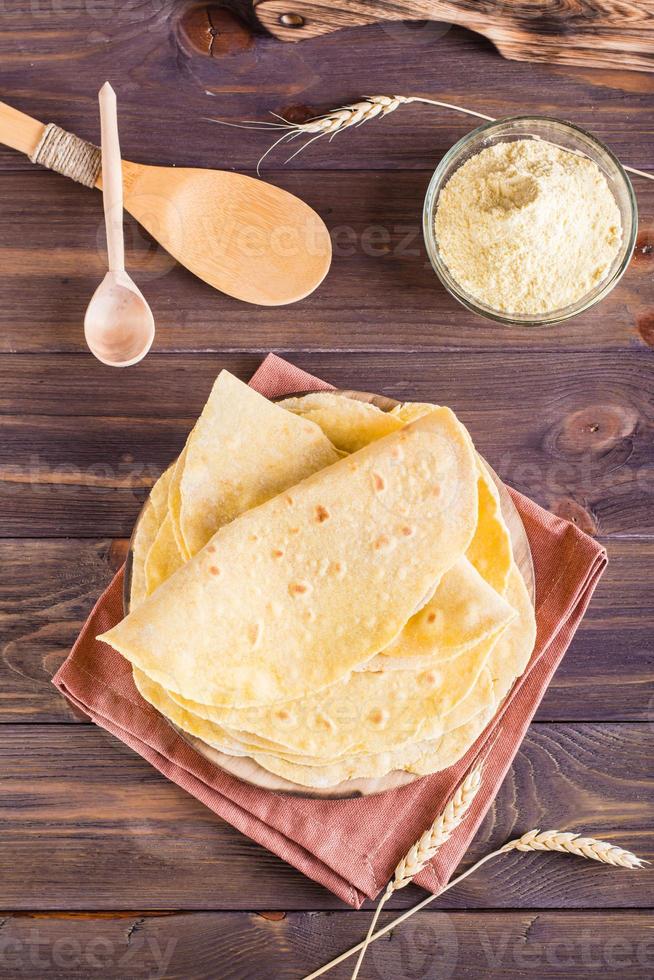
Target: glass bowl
564, 135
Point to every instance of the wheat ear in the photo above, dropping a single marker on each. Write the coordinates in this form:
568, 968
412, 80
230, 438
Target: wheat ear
354, 114
576, 845
426, 847
534, 841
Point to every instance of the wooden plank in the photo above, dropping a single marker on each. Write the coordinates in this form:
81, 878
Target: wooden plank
606, 675
52, 257
87, 824
167, 93
575, 437
490, 388
284, 946
601, 36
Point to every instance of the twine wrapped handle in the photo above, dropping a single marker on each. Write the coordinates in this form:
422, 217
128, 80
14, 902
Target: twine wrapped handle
69, 155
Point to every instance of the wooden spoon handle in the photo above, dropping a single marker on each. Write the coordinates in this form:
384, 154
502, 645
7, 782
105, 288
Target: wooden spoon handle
50, 146
112, 178
18, 130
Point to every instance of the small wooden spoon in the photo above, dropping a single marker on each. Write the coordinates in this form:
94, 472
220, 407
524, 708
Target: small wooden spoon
118, 326
250, 239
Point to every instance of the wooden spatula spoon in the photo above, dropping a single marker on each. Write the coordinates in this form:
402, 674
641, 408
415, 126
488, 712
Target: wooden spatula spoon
247, 238
118, 326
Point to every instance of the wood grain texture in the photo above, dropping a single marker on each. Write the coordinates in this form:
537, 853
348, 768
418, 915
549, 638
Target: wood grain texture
168, 93
576, 436
567, 413
272, 945
595, 33
606, 675
87, 824
56, 245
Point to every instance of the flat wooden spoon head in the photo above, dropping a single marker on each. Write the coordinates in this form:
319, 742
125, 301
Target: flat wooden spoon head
118, 326
247, 238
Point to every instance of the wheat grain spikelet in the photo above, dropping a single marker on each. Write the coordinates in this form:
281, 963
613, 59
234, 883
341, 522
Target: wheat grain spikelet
422, 852
355, 114
576, 845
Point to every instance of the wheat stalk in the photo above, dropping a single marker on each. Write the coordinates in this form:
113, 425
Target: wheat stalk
354, 114
534, 841
427, 845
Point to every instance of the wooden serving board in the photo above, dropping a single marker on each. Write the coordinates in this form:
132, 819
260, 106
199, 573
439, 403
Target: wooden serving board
596, 33
246, 768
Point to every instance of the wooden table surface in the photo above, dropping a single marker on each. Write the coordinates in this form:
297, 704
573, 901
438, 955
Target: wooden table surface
107, 869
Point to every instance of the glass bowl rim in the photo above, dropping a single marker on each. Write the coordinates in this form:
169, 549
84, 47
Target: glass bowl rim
448, 281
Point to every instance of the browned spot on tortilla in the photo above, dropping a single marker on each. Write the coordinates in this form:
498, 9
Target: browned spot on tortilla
407, 531
382, 541
431, 618
282, 714
211, 549
378, 482
298, 588
214, 570
436, 490
322, 514
326, 723
277, 553
293, 530
376, 717
289, 500
254, 537
335, 567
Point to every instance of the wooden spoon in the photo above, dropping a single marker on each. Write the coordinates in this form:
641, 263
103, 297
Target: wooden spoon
118, 326
247, 238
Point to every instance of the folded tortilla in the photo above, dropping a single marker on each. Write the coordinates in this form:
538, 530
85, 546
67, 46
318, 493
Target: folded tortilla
292, 595
506, 662
243, 450
175, 502
367, 713
150, 520
425, 753
463, 611
163, 557
228, 483
145, 534
348, 423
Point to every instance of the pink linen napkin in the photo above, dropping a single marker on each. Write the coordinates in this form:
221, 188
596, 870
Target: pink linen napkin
349, 846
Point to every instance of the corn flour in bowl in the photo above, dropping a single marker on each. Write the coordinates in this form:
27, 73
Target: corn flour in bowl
529, 220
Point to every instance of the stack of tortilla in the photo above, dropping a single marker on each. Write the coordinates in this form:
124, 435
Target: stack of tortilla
326, 588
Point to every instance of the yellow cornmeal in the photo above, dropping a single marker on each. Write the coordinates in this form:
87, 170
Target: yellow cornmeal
527, 227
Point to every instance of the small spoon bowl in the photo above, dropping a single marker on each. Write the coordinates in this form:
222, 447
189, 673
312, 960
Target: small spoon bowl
118, 325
